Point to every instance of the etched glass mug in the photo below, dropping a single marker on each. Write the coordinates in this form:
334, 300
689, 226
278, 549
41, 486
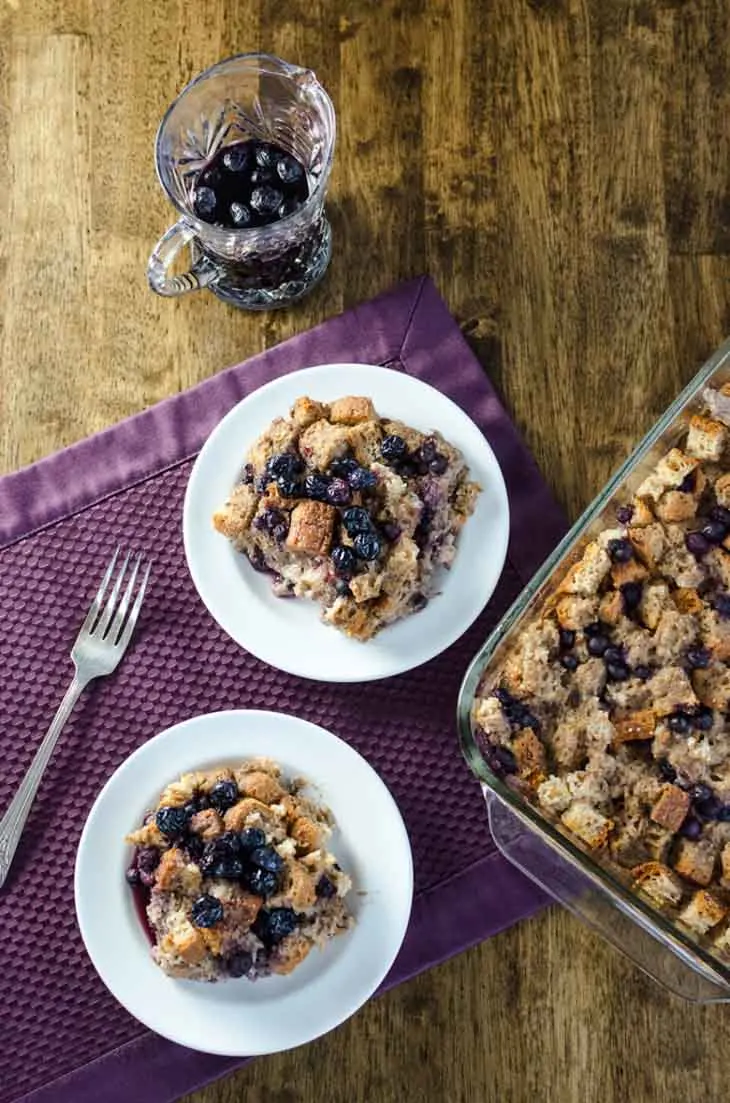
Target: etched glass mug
251, 96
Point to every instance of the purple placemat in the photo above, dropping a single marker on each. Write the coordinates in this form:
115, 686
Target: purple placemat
64, 1039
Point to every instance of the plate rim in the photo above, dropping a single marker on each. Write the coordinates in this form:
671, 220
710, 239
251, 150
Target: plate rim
264, 654
349, 1008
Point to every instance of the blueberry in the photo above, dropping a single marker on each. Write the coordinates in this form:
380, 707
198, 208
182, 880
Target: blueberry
338, 492
721, 604
194, 847
723, 814
289, 486
235, 158
714, 532
206, 911
284, 463
362, 479
721, 514
132, 876
698, 658
248, 474
357, 520
265, 200
620, 551
289, 206
208, 859
240, 215
260, 483
691, 828
270, 521
274, 925
595, 629
289, 170
223, 795
344, 467
688, 483
703, 719
597, 645
325, 888
708, 809
500, 760
631, 593
612, 654
262, 882
679, 723
344, 560
266, 156
342, 588
251, 838
698, 544
205, 202
642, 672
367, 545
570, 662
624, 514
147, 859
265, 857
617, 671
701, 792
315, 486
238, 964
171, 822
667, 770
503, 696
418, 602
261, 176
427, 450
391, 531
228, 844
438, 464
393, 448
229, 868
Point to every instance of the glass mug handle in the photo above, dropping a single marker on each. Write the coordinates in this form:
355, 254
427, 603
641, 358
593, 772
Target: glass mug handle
202, 272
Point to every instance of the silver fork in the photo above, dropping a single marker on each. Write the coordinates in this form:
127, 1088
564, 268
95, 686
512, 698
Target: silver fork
102, 640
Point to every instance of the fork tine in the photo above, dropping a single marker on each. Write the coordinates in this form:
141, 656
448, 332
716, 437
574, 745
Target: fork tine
108, 613
134, 613
96, 603
116, 625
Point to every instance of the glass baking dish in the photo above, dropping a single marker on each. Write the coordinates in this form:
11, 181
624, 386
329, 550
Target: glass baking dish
667, 952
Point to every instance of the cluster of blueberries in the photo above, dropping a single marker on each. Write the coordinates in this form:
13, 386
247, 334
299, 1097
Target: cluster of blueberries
336, 487
241, 856
249, 184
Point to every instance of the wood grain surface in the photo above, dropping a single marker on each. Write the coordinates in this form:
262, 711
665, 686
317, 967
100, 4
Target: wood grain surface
561, 168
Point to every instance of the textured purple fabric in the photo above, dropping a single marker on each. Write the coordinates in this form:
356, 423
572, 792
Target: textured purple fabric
64, 1039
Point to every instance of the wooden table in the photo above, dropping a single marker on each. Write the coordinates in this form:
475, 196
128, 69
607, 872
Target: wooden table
561, 168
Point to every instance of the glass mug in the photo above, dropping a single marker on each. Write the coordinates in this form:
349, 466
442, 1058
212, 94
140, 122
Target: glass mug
251, 96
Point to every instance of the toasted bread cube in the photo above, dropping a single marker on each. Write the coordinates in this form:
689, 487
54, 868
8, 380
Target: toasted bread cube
306, 411
529, 753
676, 505
718, 560
706, 438
290, 953
713, 686
688, 600
633, 571
702, 913
174, 873
653, 601
279, 437
642, 514
635, 727
671, 809
206, 823
186, 942
568, 744
585, 576
648, 542
658, 882
311, 528
321, 443
576, 612
668, 474
351, 410
722, 490
672, 690
261, 786
725, 866
695, 861
554, 795
234, 518
611, 607
246, 813
306, 834
588, 824
300, 886
628, 845
148, 835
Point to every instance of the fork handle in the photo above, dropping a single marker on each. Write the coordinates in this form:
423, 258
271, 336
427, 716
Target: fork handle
13, 822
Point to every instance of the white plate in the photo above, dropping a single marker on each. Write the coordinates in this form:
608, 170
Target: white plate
288, 634
237, 1017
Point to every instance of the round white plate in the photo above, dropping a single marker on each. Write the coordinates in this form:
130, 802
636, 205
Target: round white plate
288, 634
238, 1017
